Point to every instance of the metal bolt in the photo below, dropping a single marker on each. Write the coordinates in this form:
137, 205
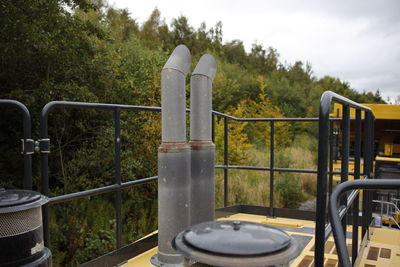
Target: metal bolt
236, 225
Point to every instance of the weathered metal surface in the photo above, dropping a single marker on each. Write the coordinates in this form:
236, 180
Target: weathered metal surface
202, 199
173, 158
173, 95
173, 201
203, 150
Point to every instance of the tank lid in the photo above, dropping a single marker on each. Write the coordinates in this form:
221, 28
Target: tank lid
236, 238
11, 198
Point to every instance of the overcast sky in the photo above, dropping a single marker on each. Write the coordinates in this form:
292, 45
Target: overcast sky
356, 41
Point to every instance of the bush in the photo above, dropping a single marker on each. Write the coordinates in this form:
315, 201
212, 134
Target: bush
289, 191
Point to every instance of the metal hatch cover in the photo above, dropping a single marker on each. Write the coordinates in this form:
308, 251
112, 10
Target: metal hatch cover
236, 238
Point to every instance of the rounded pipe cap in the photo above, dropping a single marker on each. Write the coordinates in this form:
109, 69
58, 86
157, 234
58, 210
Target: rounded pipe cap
179, 60
207, 66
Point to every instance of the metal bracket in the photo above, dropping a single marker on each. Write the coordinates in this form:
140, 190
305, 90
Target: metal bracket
28, 147
42, 146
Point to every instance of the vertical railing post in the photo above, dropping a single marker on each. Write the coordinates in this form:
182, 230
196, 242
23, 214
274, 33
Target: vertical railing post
323, 150
367, 156
357, 158
344, 176
370, 140
118, 200
27, 131
44, 161
331, 156
271, 171
226, 180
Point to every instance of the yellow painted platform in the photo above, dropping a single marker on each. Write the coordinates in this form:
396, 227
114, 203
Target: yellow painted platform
381, 238
383, 248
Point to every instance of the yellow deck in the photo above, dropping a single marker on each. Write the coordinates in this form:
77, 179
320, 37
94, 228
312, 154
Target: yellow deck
382, 238
383, 248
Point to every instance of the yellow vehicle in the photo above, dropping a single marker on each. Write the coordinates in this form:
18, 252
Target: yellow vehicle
387, 137
387, 155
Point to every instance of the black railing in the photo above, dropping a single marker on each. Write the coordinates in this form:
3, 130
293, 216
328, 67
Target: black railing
324, 229
335, 216
44, 149
116, 187
271, 168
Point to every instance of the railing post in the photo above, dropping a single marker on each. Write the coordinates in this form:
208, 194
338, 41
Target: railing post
118, 200
226, 180
323, 149
368, 157
357, 158
344, 176
271, 172
371, 157
44, 161
331, 156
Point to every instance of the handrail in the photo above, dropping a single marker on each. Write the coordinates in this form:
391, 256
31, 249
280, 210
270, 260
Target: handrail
327, 99
338, 233
117, 186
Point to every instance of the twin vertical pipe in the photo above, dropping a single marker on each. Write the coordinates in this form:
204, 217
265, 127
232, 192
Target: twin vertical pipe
185, 171
173, 158
202, 185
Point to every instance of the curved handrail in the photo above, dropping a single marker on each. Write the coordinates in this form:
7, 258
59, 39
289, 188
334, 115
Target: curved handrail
338, 233
327, 99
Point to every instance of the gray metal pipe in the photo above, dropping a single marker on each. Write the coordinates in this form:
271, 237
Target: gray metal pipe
202, 185
173, 95
173, 159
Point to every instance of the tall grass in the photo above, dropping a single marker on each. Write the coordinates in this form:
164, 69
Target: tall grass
252, 187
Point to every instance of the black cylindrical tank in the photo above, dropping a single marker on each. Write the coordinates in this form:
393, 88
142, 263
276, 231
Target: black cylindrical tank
21, 229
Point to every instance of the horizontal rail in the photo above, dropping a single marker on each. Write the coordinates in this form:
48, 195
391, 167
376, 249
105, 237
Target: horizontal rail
97, 191
256, 168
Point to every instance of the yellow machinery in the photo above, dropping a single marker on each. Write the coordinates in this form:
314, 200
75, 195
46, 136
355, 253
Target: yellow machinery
387, 154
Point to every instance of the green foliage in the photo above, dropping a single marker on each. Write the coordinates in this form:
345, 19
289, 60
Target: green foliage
83, 50
289, 190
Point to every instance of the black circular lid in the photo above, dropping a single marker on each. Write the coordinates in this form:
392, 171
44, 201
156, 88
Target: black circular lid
237, 238
12, 198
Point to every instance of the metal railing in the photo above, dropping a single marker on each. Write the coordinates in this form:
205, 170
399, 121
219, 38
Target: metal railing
324, 229
339, 234
271, 168
116, 187
388, 212
44, 149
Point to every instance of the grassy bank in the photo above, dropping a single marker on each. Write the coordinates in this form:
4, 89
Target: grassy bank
291, 189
